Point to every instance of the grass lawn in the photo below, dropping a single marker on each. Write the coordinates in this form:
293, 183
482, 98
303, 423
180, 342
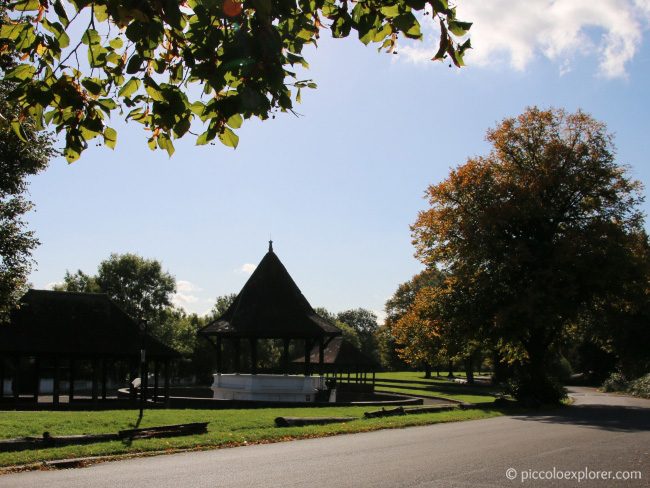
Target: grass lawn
414, 382
226, 428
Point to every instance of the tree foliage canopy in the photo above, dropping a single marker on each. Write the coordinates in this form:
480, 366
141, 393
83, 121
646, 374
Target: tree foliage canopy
80, 62
18, 160
531, 236
407, 324
140, 286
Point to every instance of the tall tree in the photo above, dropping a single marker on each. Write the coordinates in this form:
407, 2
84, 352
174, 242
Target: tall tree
78, 282
350, 334
19, 159
140, 286
221, 304
531, 235
83, 62
364, 322
394, 350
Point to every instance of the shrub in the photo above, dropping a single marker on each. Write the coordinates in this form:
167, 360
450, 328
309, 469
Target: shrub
615, 382
640, 387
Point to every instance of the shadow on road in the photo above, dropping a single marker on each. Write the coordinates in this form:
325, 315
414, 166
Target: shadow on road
605, 417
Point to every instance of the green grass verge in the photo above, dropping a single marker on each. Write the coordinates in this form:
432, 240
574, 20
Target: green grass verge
414, 383
226, 428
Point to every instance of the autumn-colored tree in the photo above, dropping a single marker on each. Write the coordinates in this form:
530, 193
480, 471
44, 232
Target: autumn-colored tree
177, 67
531, 235
402, 323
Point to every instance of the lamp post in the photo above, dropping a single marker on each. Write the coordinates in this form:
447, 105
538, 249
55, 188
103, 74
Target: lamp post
143, 366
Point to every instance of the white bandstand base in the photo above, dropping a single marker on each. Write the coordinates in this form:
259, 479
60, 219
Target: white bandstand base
266, 387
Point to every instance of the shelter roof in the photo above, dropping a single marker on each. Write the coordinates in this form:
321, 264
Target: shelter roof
270, 305
83, 324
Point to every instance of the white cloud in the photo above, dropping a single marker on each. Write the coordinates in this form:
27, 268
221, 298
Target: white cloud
50, 286
247, 268
381, 316
183, 286
516, 32
184, 294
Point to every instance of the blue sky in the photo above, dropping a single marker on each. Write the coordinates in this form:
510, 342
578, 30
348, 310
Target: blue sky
338, 187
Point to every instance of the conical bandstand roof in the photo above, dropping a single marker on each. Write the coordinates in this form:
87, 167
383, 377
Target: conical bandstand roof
271, 306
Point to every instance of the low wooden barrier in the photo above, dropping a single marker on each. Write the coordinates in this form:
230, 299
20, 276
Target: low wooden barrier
47, 440
302, 421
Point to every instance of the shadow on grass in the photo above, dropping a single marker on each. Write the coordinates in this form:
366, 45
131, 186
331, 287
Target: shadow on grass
129, 440
604, 417
451, 388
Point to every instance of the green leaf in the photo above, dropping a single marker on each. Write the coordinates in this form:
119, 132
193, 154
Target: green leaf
110, 137
91, 37
92, 85
197, 108
165, 143
444, 42
135, 64
129, 88
12, 31
154, 92
21, 72
107, 104
206, 137
408, 24
229, 138
60, 12
26, 5
235, 121
71, 154
456, 57
19, 130
390, 11
116, 43
100, 11
439, 5
459, 28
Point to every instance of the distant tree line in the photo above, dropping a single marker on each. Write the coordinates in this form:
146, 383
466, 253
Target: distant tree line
144, 290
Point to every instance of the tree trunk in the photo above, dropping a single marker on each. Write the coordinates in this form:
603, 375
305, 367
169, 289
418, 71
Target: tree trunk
534, 385
427, 370
469, 369
451, 369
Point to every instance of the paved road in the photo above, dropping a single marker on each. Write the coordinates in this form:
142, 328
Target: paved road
601, 432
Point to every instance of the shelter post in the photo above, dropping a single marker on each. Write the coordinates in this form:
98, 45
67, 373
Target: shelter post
307, 357
2, 377
14, 377
237, 348
166, 387
156, 371
72, 378
104, 377
285, 356
253, 343
95, 379
321, 356
56, 381
219, 356
37, 377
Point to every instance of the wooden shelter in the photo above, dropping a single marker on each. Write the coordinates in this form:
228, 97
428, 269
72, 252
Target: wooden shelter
271, 306
55, 332
342, 359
